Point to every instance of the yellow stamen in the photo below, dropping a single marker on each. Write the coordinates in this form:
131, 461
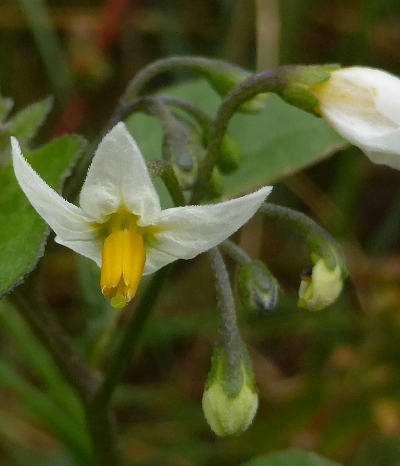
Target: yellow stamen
122, 264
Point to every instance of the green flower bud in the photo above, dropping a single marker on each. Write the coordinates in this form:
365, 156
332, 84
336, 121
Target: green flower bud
182, 147
300, 82
216, 187
229, 401
229, 155
320, 288
258, 288
223, 77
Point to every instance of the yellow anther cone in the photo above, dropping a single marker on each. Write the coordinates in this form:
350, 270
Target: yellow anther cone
122, 266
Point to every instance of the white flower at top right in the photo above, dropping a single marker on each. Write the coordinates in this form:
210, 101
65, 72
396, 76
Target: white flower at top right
363, 105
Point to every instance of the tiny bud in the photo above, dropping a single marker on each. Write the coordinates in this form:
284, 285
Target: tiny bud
216, 186
182, 147
223, 77
258, 288
229, 411
321, 287
229, 155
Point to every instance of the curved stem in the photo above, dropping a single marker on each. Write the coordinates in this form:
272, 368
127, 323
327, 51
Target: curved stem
235, 252
318, 239
197, 64
266, 81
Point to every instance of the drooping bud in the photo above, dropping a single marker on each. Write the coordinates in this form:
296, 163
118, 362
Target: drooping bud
320, 288
258, 288
229, 155
299, 83
223, 77
230, 400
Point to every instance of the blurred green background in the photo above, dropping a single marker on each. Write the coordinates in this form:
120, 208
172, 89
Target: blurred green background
328, 381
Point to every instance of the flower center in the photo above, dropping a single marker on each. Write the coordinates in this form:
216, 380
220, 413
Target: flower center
122, 261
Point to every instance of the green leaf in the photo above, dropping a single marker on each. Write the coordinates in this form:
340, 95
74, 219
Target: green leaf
6, 105
290, 458
275, 143
23, 233
25, 123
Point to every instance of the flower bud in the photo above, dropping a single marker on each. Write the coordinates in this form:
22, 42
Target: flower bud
223, 77
182, 147
229, 401
362, 106
258, 288
229, 155
321, 287
216, 187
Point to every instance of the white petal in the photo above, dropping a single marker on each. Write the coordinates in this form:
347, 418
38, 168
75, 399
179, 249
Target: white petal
189, 231
385, 149
155, 259
118, 178
65, 219
90, 248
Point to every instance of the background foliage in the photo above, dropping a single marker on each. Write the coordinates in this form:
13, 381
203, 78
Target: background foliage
328, 381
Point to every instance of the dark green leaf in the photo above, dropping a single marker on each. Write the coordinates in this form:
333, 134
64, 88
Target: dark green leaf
23, 232
6, 105
25, 123
290, 458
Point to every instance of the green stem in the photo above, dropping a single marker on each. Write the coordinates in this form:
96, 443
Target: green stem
123, 354
164, 170
102, 433
235, 252
318, 239
199, 65
266, 81
229, 328
202, 118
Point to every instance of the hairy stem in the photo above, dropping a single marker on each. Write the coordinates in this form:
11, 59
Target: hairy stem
318, 239
229, 326
266, 81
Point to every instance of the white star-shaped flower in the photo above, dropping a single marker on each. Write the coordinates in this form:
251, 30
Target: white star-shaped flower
120, 224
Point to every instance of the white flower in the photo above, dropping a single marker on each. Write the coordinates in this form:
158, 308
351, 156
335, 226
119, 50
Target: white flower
363, 105
120, 224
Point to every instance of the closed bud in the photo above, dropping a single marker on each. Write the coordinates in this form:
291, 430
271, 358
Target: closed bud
230, 400
182, 147
361, 104
258, 288
229, 155
216, 186
223, 77
320, 288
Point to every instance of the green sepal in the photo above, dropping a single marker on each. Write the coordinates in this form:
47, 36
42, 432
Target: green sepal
299, 81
